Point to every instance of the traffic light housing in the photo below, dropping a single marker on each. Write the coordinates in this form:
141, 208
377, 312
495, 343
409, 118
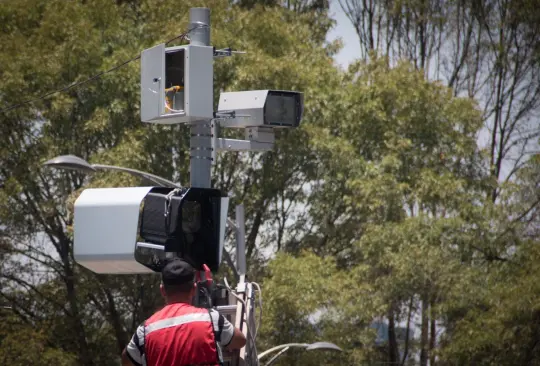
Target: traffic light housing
186, 221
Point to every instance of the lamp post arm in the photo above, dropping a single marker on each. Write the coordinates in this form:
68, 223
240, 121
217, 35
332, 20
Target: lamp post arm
273, 359
151, 177
303, 345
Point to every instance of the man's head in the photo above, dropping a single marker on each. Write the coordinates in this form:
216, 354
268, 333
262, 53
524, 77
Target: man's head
177, 281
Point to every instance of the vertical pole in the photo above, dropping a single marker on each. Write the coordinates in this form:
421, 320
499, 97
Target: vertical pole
199, 23
240, 241
243, 289
201, 131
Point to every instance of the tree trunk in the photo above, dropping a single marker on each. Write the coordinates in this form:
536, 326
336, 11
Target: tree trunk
393, 352
84, 354
425, 332
433, 337
116, 322
407, 331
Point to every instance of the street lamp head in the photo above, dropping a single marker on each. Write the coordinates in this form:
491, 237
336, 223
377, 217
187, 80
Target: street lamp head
323, 345
70, 162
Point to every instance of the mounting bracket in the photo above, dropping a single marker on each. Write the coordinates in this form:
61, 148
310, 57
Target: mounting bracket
257, 139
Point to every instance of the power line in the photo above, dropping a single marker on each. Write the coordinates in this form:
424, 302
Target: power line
96, 76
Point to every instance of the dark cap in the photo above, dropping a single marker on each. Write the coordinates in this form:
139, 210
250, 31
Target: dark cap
177, 272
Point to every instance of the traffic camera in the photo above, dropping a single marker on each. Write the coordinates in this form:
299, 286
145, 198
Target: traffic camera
131, 230
177, 87
134, 230
262, 108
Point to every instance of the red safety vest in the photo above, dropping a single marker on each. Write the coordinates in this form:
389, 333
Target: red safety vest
180, 335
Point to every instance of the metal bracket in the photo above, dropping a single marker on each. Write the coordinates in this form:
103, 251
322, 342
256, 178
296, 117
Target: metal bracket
225, 52
243, 145
257, 139
260, 134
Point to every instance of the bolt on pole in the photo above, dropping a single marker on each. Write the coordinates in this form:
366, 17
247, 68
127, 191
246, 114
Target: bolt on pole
201, 131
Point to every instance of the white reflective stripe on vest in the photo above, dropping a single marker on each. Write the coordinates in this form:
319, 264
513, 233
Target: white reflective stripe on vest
177, 320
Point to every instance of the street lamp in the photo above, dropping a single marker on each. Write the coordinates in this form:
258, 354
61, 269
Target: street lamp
307, 346
72, 162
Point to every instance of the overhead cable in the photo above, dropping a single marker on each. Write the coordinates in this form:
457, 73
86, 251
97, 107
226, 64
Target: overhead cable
94, 77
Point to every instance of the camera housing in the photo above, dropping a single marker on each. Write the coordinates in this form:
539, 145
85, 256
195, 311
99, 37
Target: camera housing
262, 108
132, 230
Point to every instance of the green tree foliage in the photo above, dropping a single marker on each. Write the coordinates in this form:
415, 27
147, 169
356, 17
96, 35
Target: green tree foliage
50, 44
402, 177
506, 299
27, 344
482, 49
379, 208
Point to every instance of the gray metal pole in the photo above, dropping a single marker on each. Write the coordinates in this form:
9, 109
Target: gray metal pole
201, 132
240, 241
199, 23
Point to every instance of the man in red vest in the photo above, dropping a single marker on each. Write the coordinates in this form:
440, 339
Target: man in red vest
181, 334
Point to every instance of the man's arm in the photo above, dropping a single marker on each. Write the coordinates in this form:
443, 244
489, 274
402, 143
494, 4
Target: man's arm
226, 334
238, 340
134, 351
125, 359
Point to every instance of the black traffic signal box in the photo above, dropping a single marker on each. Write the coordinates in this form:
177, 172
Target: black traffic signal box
185, 221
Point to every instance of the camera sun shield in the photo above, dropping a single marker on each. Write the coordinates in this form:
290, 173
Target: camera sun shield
106, 227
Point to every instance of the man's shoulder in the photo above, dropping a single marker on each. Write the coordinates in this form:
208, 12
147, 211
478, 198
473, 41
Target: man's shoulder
176, 309
183, 308
156, 316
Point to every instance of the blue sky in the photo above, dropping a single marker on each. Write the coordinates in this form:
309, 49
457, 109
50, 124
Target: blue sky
344, 30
